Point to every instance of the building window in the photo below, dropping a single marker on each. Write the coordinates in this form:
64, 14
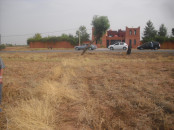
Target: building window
130, 42
135, 32
134, 41
130, 32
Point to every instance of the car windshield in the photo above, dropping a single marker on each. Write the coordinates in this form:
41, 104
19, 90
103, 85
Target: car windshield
84, 44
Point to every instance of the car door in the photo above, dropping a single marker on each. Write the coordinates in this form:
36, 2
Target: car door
121, 45
116, 45
146, 46
83, 46
150, 45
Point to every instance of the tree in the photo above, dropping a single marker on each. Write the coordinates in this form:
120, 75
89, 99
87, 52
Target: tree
173, 31
37, 36
162, 31
84, 36
149, 32
100, 25
2, 46
162, 34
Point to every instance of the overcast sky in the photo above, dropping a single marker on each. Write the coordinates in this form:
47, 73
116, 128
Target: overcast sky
21, 19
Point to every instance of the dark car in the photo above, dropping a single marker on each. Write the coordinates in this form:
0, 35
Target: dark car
83, 46
149, 45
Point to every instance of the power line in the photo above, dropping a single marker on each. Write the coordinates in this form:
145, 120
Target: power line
18, 35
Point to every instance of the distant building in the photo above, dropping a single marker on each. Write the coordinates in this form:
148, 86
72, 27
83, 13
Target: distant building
131, 36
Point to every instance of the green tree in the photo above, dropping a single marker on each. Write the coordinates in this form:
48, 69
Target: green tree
149, 32
84, 36
162, 34
2, 46
101, 25
173, 31
162, 31
37, 36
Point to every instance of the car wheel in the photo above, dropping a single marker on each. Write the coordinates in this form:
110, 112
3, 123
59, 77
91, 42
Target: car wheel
111, 48
124, 48
141, 48
90, 48
77, 48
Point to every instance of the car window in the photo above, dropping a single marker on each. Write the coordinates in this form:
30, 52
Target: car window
143, 45
116, 43
149, 44
121, 43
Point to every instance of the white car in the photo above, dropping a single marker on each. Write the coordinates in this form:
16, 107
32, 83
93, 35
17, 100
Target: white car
118, 45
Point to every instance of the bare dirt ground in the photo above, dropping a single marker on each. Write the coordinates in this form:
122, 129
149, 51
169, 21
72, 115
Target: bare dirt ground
98, 91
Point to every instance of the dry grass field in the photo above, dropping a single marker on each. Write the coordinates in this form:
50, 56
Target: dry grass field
27, 48
96, 91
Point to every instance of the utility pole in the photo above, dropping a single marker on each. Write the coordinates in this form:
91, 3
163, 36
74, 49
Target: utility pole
79, 37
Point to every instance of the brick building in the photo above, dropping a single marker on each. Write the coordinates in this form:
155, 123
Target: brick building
131, 36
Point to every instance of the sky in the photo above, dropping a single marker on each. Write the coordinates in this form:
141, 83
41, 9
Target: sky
21, 19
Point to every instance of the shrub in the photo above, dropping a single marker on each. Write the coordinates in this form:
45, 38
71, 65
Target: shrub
70, 38
2, 46
161, 39
9, 45
171, 39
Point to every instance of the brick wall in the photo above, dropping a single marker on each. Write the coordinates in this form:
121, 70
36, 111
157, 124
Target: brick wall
133, 34
62, 44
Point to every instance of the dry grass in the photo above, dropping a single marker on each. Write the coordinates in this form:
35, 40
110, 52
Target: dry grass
96, 91
27, 48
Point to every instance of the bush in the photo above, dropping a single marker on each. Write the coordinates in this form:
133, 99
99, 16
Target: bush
161, 39
171, 39
2, 46
70, 38
9, 45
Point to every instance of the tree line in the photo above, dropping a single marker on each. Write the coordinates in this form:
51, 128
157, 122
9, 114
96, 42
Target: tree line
99, 23
74, 40
151, 34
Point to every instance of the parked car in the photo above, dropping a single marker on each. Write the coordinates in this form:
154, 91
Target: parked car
83, 46
149, 45
118, 45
